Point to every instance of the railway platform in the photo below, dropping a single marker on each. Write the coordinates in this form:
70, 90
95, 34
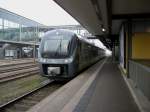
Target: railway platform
101, 88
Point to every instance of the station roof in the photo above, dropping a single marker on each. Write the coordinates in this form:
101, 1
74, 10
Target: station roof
109, 14
5, 14
19, 43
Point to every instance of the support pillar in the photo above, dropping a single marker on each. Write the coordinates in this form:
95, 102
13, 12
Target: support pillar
113, 48
129, 40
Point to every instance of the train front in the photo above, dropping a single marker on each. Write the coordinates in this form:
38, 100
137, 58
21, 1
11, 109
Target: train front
56, 54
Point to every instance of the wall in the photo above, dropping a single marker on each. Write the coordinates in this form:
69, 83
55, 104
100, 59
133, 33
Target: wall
141, 46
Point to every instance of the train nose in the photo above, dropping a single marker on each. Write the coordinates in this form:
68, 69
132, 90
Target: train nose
53, 70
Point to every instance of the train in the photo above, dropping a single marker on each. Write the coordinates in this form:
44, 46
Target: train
63, 54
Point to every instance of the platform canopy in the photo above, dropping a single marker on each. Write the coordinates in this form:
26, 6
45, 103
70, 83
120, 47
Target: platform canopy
95, 15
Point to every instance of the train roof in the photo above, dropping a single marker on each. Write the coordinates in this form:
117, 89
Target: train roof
70, 36
60, 31
94, 42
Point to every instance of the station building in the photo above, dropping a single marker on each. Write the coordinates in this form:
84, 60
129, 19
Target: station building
124, 27
15, 28
127, 34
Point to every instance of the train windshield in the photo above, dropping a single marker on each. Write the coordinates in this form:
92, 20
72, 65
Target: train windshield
56, 48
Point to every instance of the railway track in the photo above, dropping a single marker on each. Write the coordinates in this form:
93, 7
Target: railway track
7, 63
14, 64
18, 70
17, 67
26, 101
12, 75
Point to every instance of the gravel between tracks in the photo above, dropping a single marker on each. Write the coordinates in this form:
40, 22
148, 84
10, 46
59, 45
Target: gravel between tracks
15, 88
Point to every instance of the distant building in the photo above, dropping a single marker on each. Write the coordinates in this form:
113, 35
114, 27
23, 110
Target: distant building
17, 28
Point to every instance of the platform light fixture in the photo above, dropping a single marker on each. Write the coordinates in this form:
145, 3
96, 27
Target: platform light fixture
103, 29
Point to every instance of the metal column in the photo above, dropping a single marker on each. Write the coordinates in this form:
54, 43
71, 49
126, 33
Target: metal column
129, 36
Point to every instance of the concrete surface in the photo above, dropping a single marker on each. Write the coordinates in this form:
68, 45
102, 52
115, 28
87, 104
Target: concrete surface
101, 88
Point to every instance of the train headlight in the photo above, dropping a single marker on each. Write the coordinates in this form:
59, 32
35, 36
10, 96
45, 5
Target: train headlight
68, 60
42, 60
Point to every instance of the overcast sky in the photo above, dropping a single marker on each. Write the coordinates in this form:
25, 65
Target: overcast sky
46, 12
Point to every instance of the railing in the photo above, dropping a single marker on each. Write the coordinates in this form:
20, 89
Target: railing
140, 74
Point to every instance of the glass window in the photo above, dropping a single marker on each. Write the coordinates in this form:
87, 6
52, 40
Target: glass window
5, 27
55, 48
64, 47
1, 27
0, 21
51, 45
28, 33
13, 25
6, 23
41, 34
11, 34
10, 24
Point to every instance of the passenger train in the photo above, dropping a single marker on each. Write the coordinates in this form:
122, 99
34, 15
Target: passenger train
63, 54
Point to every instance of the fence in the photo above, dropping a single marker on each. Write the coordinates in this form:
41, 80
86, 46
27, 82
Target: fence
140, 74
